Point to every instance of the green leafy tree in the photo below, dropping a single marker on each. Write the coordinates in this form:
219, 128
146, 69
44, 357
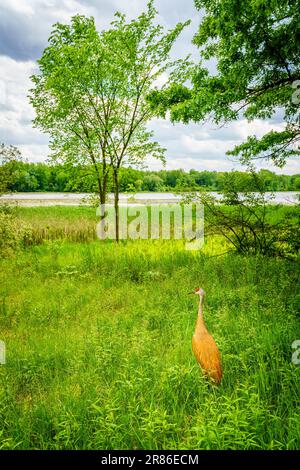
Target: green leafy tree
26, 182
90, 94
256, 47
244, 218
152, 183
173, 178
10, 155
295, 181
130, 179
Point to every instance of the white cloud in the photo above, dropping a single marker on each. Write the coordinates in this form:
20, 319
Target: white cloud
256, 127
16, 113
35, 152
204, 147
25, 26
161, 80
208, 145
24, 7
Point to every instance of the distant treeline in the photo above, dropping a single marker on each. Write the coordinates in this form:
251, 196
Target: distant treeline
29, 177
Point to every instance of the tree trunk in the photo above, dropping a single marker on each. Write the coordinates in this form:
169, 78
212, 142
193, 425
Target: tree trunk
102, 201
102, 194
116, 196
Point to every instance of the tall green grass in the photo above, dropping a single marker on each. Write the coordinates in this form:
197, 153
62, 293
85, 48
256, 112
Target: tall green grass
77, 223
98, 340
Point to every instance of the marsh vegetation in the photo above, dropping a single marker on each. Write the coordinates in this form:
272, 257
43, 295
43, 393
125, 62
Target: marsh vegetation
98, 339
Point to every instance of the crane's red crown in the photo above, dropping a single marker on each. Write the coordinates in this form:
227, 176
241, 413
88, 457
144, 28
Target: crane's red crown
199, 291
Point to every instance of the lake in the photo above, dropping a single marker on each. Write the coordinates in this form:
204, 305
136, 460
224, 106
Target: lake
73, 199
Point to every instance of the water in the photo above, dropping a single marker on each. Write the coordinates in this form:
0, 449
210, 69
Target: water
66, 199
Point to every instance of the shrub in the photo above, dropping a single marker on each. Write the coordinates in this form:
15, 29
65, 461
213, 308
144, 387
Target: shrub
243, 218
13, 234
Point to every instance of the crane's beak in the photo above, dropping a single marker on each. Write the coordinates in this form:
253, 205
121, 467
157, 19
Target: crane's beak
191, 292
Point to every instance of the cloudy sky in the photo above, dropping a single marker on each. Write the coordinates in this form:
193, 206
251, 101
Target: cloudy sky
25, 26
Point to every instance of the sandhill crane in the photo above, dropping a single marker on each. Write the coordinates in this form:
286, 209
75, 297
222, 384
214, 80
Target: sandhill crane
204, 346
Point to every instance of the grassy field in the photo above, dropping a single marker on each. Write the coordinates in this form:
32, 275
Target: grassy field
77, 223
98, 341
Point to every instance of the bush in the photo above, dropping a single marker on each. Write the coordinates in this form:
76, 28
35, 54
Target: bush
13, 234
242, 217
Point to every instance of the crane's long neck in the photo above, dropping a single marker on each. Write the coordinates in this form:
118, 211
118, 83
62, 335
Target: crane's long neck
200, 325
